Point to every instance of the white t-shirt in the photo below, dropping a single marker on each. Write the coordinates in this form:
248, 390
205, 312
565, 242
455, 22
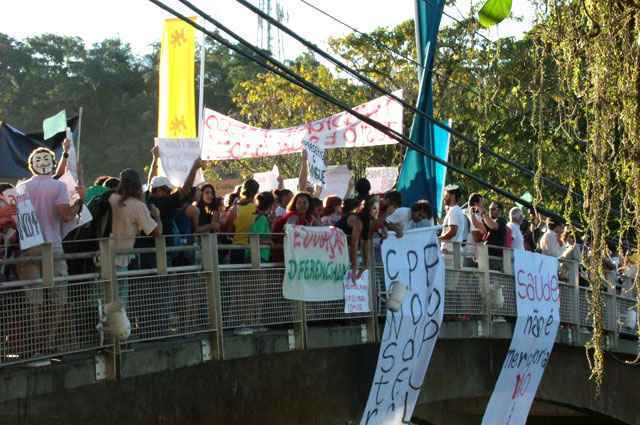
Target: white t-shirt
400, 216
549, 244
455, 217
471, 242
517, 240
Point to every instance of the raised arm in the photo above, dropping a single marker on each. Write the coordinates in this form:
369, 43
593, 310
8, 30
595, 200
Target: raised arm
153, 168
302, 177
188, 183
62, 165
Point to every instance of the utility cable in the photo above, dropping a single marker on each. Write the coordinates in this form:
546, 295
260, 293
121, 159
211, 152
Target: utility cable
273, 65
377, 87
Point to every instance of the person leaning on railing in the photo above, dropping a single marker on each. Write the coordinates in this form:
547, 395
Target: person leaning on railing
298, 214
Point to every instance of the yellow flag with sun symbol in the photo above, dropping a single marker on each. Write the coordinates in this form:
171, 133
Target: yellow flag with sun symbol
176, 108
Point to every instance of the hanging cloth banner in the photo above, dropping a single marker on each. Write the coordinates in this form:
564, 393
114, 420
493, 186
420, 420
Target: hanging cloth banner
538, 306
225, 138
316, 262
177, 104
410, 334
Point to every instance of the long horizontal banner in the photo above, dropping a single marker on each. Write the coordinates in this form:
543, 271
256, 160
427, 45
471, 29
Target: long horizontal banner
225, 138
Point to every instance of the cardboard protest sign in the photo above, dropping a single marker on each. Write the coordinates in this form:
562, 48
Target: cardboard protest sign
29, 230
538, 306
315, 162
382, 179
225, 138
291, 184
356, 294
54, 125
336, 181
177, 157
409, 334
268, 180
316, 262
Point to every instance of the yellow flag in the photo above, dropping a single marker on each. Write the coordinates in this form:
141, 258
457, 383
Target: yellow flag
176, 109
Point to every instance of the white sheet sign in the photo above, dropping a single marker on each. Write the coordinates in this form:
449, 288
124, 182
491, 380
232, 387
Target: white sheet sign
336, 181
177, 157
538, 306
315, 162
382, 179
410, 334
356, 294
29, 229
316, 261
268, 180
225, 138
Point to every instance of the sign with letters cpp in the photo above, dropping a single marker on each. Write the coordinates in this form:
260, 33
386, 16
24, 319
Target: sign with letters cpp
315, 163
29, 229
226, 138
409, 334
538, 306
316, 262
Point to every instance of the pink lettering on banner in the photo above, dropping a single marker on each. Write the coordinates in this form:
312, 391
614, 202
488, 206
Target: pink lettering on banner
329, 240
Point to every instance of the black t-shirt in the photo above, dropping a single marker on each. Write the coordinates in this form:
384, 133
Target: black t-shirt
497, 237
169, 207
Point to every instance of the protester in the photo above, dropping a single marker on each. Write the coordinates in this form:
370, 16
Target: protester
283, 197
477, 229
241, 217
359, 229
51, 203
316, 211
97, 189
208, 210
551, 241
130, 216
332, 211
496, 230
298, 214
262, 225
186, 224
400, 219
455, 227
362, 188
8, 233
515, 222
163, 196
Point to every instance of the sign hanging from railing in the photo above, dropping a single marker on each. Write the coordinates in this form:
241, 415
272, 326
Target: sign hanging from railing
316, 262
356, 293
415, 263
538, 306
225, 138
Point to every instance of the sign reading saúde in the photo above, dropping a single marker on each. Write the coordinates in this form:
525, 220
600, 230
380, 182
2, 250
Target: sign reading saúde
410, 334
225, 138
538, 305
316, 262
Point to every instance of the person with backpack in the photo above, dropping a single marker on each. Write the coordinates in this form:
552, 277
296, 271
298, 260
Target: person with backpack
129, 217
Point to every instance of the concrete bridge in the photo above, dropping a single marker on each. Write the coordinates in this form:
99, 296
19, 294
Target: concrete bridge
311, 364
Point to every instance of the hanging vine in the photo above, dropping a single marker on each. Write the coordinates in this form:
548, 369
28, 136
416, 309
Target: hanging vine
595, 51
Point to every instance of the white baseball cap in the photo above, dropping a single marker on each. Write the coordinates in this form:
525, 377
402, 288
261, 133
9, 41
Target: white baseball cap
160, 181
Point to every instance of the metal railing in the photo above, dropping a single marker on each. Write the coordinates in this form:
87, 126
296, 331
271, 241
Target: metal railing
172, 291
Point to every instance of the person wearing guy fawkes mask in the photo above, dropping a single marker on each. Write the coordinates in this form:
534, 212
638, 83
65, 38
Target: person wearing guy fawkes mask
51, 203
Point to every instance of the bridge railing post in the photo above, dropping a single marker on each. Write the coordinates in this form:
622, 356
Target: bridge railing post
210, 266
109, 275
485, 290
372, 320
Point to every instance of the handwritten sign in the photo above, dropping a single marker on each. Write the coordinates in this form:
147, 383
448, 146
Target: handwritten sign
316, 262
382, 179
268, 180
336, 181
291, 184
315, 162
29, 230
410, 334
356, 294
538, 305
225, 138
177, 157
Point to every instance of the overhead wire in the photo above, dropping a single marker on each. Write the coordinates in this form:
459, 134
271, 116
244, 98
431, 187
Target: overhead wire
377, 87
261, 58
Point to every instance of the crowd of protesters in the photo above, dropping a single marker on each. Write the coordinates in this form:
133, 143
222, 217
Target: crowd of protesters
133, 213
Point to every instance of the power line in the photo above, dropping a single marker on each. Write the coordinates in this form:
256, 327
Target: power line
281, 70
373, 84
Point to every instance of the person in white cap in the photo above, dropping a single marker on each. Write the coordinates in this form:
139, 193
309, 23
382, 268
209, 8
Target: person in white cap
455, 226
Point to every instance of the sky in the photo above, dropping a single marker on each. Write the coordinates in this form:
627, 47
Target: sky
139, 22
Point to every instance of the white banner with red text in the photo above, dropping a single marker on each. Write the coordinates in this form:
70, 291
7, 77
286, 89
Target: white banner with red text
316, 262
225, 138
538, 306
416, 263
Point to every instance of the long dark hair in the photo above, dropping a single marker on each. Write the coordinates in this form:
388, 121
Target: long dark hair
365, 215
129, 188
205, 208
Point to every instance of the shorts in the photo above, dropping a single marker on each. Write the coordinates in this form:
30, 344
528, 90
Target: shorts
32, 270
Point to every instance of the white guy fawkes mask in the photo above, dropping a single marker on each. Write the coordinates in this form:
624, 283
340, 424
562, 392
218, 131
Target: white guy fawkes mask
42, 163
